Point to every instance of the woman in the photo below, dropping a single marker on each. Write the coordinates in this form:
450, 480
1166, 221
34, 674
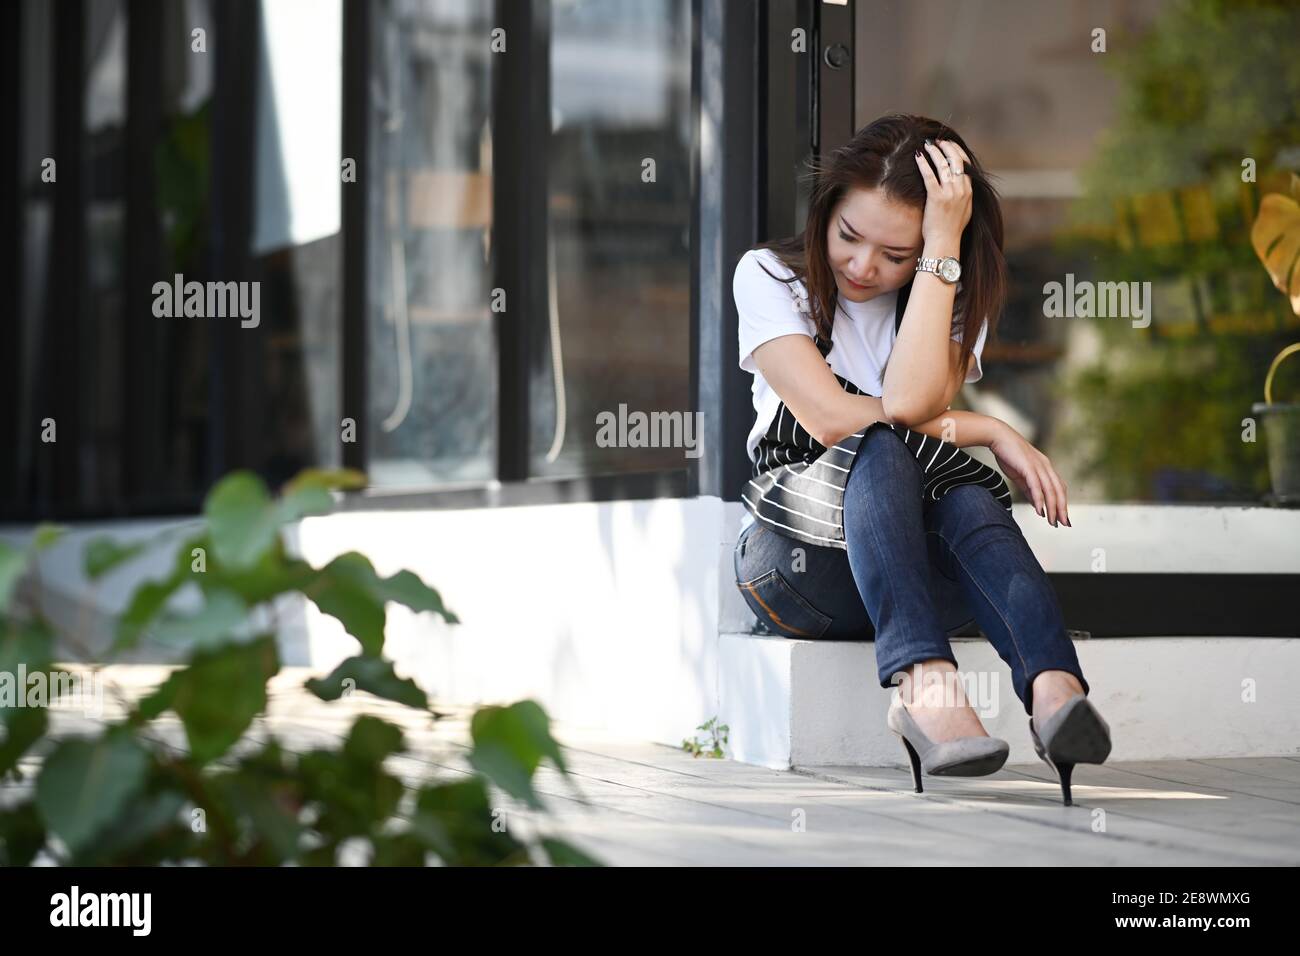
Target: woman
863, 515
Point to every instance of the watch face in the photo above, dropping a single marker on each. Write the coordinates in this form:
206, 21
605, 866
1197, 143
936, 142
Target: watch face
949, 269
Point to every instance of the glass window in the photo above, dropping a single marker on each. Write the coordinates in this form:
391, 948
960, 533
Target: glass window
34, 481
617, 341
1120, 156
168, 359
296, 239
100, 417
432, 361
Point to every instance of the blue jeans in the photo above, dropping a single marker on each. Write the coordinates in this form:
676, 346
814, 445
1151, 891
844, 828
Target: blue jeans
915, 572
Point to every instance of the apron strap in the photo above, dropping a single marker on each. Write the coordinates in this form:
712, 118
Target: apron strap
903, 293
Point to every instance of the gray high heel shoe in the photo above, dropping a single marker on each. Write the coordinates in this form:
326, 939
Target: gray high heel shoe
963, 757
1073, 734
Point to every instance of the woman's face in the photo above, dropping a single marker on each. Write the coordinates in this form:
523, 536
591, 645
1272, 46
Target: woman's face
872, 243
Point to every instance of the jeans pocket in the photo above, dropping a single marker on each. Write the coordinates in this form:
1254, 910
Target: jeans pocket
781, 608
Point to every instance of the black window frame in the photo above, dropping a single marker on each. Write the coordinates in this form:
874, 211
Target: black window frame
52, 489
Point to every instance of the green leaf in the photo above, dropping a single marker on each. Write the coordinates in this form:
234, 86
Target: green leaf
344, 589
24, 646
399, 849
22, 834
220, 618
355, 796
371, 740
264, 794
218, 695
245, 521
349, 589
47, 535
272, 575
374, 675
432, 833
13, 564
406, 588
563, 853
150, 706
149, 829
104, 554
23, 727
458, 823
509, 744
84, 784
146, 604
242, 519
278, 829
309, 492
344, 479
322, 855
29, 643
304, 501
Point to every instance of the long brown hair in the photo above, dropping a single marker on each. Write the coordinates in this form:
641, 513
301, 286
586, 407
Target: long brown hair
880, 156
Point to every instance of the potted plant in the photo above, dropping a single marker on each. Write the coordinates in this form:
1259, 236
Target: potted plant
1276, 239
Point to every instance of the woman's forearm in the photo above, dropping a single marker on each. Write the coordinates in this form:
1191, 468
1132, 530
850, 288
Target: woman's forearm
961, 428
852, 413
918, 370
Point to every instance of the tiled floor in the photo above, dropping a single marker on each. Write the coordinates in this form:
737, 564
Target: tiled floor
634, 803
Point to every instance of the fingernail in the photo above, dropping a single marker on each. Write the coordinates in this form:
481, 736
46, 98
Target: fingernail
929, 143
918, 154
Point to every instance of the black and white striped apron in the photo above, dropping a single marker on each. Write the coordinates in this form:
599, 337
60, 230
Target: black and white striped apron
797, 488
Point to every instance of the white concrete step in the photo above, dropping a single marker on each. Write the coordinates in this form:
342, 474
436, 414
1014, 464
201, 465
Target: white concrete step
806, 703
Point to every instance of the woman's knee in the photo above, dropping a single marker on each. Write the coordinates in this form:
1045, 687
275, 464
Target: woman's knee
969, 511
883, 452
882, 439
975, 503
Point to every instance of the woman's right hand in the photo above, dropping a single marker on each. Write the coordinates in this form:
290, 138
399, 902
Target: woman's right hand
1033, 473
949, 198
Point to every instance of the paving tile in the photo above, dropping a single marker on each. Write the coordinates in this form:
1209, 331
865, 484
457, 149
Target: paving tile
633, 803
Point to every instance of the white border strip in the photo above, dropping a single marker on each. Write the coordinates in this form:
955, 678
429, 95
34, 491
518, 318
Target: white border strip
1166, 539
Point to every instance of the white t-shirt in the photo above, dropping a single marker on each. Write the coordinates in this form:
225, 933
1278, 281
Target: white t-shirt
862, 336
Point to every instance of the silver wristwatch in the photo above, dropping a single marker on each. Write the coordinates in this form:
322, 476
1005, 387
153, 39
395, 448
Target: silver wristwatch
948, 269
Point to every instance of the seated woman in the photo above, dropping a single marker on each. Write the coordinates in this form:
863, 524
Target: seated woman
864, 518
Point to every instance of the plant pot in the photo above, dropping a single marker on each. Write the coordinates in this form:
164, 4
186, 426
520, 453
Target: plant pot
1280, 423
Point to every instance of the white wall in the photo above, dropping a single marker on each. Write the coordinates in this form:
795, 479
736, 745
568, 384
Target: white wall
610, 613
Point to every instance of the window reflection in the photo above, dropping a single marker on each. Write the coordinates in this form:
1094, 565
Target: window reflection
100, 391
619, 202
1117, 166
432, 401
295, 240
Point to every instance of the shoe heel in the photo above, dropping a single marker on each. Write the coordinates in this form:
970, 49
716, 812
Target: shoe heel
1063, 771
916, 763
